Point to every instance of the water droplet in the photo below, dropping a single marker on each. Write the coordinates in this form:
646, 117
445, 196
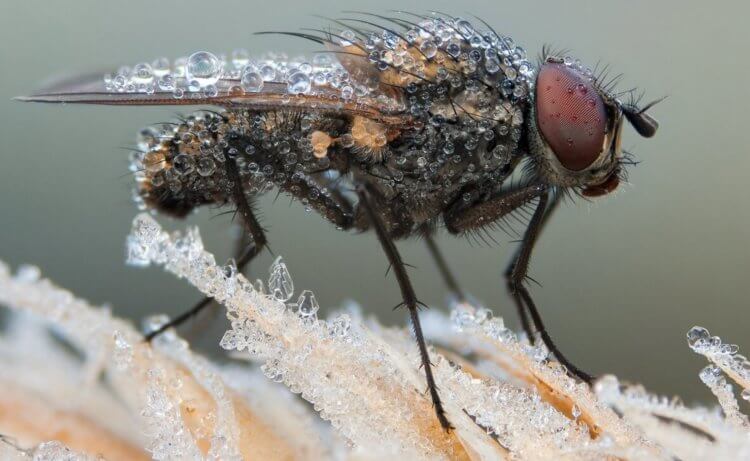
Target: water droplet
492, 65
607, 388
268, 73
307, 304
166, 82
347, 92
299, 82
347, 37
252, 82
575, 411
210, 91
27, 273
280, 283
341, 325
453, 49
154, 322
206, 166
284, 147
428, 48
183, 164
464, 28
500, 153
710, 374
698, 337
203, 68
143, 73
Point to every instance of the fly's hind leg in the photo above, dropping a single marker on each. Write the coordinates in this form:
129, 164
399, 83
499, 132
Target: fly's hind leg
366, 204
256, 237
495, 207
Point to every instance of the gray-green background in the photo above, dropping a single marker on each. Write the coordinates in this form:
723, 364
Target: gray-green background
624, 278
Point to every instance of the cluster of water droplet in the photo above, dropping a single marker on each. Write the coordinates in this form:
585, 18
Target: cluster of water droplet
206, 75
724, 356
50, 451
725, 362
305, 353
180, 166
469, 87
443, 48
142, 381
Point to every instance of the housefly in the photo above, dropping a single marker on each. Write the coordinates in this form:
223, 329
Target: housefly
401, 125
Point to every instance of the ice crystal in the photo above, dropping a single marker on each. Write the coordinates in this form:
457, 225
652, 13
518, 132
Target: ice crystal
510, 401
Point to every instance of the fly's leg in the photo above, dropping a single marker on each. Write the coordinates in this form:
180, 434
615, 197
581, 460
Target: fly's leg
467, 218
518, 274
325, 200
253, 229
408, 295
442, 265
242, 246
503, 203
517, 301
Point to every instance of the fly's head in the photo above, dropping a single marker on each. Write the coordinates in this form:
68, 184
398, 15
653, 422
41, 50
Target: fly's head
575, 128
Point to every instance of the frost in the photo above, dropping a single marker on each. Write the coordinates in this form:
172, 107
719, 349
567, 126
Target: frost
507, 400
725, 361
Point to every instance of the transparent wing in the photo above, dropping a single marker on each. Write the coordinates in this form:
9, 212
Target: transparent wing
268, 85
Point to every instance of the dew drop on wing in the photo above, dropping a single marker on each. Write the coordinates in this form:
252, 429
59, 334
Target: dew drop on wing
203, 69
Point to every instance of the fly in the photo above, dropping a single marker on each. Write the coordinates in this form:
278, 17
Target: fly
403, 126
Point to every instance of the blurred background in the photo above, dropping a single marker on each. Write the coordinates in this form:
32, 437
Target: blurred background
624, 278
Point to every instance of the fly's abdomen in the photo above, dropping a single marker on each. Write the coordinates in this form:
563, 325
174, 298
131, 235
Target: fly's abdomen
179, 166
184, 165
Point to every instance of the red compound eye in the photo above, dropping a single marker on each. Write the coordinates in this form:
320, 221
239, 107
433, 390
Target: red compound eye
570, 115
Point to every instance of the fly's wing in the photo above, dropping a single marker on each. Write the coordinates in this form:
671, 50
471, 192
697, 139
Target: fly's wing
268, 84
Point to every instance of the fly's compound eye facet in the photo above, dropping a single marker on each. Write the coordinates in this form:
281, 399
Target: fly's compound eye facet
571, 115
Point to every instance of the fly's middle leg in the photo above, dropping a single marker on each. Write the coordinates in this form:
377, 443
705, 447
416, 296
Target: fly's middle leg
366, 203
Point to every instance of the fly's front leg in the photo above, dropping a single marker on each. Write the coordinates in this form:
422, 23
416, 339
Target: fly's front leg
510, 284
461, 219
488, 211
253, 229
407, 292
516, 278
